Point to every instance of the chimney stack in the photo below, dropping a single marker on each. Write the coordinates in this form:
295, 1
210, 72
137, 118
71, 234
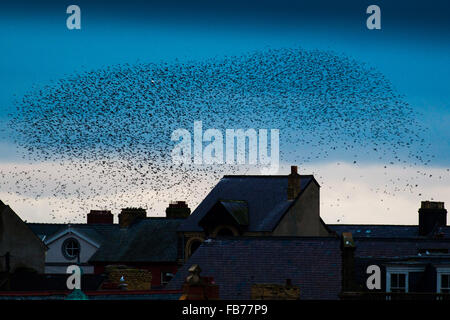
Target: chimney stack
196, 287
432, 215
100, 217
293, 184
348, 262
130, 215
178, 210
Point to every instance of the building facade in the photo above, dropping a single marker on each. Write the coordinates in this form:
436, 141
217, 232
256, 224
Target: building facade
20, 248
137, 241
256, 206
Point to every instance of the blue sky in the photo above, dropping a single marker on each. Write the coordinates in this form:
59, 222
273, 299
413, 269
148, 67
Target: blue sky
412, 49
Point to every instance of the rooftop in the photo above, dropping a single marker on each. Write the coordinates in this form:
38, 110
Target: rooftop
265, 196
148, 240
385, 231
237, 263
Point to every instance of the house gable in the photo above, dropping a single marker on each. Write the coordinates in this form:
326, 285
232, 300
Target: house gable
25, 249
303, 217
55, 249
71, 232
229, 214
266, 196
57, 259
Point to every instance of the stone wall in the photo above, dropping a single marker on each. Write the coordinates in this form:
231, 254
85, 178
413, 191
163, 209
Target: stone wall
134, 279
274, 292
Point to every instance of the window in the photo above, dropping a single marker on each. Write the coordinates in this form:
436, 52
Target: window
445, 283
443, 279
191, 245
71, 248
166, 277
397, 277
398, 282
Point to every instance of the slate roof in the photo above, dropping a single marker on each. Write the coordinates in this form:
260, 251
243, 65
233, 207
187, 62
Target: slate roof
423, 259
313, 264
395, 248
97, 232
237, 209
148, 240
266, 197
392, 241
383, 231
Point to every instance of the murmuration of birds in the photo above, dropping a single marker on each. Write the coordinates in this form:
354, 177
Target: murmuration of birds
107, 131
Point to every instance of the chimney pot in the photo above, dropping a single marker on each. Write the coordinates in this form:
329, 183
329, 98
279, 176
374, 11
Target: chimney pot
178, 210
432, 215
294, 170
293, 184
129, 215
100, 217
432, 205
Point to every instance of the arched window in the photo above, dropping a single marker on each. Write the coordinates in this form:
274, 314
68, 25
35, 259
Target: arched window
194, 246
71, 248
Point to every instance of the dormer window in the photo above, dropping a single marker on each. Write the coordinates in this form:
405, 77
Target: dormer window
71, 248
226, 218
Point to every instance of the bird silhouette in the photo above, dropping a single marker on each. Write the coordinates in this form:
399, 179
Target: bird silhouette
104, 135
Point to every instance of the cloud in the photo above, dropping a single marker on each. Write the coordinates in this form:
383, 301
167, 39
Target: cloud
375, 194
364, 193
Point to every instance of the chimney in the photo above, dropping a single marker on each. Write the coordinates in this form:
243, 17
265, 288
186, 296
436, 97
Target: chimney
196, 287
178, 210
293, 184
130, 215
348, 262
100, 217
432, 215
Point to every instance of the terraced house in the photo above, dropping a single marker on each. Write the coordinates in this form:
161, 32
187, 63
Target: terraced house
137, 241
252, 237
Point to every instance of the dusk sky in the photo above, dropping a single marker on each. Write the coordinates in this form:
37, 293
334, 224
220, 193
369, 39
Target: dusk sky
411, 51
